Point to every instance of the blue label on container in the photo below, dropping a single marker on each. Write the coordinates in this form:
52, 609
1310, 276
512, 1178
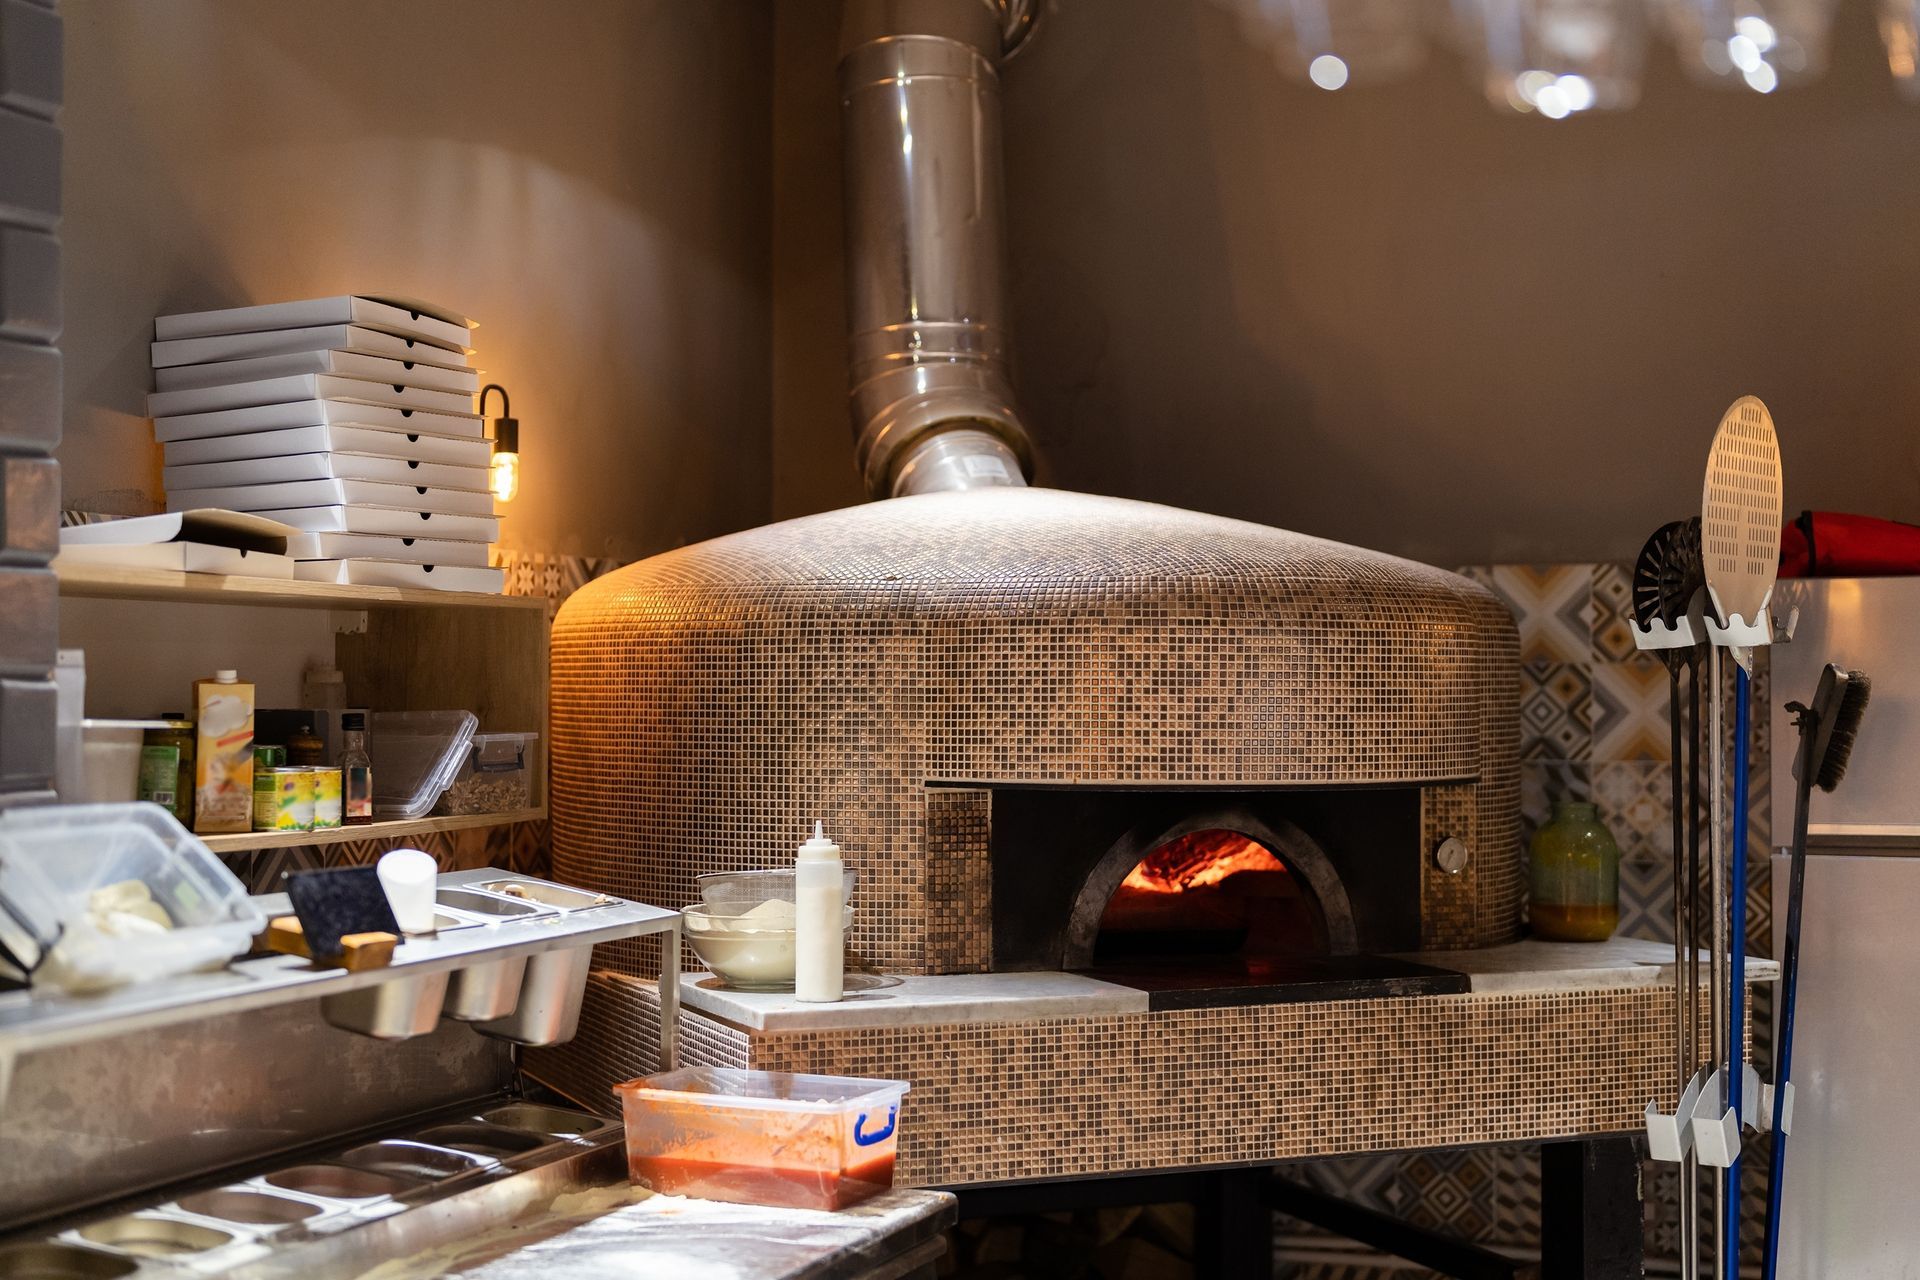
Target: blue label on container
862, 1139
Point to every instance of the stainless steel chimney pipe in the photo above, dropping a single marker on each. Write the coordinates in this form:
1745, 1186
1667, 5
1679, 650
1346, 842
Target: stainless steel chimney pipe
931, 397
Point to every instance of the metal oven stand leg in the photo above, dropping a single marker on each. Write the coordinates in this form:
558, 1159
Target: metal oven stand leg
1233, 1226
1590, 1210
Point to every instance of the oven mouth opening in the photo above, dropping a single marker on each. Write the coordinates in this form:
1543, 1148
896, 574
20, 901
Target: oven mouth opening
1218, 916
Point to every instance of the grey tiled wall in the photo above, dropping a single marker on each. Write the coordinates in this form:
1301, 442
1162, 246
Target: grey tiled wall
29, 391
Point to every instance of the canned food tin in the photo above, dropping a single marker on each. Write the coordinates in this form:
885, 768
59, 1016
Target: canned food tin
283, 799
326, 798
266, 795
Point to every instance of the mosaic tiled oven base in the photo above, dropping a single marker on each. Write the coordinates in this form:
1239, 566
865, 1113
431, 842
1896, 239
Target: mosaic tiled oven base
1080, 1097
708, 701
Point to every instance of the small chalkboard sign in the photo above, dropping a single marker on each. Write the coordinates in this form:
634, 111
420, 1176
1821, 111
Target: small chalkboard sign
337, 903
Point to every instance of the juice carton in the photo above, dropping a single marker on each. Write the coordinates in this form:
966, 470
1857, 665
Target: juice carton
223, 759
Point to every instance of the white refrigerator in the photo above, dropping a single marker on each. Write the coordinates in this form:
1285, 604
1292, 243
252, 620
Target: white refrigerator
1851, 1204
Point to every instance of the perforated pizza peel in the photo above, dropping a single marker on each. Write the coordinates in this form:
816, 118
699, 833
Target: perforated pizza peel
1740, 508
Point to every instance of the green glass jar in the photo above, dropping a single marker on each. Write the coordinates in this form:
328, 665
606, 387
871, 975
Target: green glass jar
1575, 876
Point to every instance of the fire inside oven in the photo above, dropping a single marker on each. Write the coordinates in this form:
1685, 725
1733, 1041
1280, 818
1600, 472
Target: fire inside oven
1206, 899
1211, 893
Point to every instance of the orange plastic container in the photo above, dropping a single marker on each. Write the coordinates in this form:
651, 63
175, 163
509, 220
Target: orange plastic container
762, 1137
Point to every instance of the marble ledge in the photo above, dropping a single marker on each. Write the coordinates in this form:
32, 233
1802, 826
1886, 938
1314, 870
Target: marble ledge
917, 1000
1532, 965
1520, 968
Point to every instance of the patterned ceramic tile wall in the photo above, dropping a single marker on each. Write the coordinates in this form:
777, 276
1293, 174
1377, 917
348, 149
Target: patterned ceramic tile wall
540, 573
519, 846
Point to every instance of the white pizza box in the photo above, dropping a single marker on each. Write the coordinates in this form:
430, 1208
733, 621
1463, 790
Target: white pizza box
214, 527
381, 546
324, 466
403, 521
348, 364
396, 573
413, 446
332, 493
310, 386
326, 337
405, 316
198, 541
181, 557
313, 412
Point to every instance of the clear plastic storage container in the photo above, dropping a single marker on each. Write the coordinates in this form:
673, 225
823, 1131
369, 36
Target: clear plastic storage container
415, 755
495, 776
53, 859
762, 1137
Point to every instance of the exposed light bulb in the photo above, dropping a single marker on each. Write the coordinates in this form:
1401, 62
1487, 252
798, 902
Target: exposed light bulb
503, 476
1328, 71
1578, 91
1758, 30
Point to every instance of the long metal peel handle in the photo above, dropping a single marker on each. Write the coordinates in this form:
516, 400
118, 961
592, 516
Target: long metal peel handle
1737, 950
1723, 1266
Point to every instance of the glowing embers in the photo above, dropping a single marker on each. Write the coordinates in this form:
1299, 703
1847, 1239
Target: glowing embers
1212, 893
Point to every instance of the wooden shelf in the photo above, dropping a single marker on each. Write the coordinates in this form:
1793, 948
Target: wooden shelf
240, 841
404, 649
103, 582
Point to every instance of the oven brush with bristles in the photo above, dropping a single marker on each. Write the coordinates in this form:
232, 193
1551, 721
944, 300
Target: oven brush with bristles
1827, 730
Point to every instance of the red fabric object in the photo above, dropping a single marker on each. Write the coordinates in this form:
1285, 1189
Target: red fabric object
1833, 544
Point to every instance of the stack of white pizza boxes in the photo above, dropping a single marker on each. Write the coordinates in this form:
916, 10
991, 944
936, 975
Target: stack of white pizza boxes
350, 419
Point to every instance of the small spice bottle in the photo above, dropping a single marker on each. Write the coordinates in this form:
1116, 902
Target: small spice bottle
356, 770
306, 748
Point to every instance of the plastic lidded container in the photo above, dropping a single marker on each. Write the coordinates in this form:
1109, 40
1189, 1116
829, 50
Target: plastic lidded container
762, 1137
52, 859
415, 754
495, 776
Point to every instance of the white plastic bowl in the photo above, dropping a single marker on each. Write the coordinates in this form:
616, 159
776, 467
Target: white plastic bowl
746, 956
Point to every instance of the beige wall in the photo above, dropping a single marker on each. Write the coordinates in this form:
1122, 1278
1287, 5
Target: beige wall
588, 179
1396, 317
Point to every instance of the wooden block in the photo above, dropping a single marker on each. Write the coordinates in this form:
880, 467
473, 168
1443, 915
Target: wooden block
285, 936
357, 950
366, 950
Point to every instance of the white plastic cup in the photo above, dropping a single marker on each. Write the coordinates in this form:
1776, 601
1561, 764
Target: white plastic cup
409, 877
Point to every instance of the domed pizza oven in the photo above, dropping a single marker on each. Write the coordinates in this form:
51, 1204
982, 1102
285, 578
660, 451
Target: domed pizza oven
1055, 731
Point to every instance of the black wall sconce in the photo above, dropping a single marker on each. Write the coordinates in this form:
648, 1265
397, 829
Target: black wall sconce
503, 475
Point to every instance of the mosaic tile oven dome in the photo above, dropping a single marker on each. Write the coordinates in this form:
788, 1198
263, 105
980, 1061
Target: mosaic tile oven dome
885, 666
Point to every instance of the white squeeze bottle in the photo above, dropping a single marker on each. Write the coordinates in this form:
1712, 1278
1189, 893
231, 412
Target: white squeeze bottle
819, 885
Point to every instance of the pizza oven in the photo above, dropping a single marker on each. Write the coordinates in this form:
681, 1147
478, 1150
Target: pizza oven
1057, 732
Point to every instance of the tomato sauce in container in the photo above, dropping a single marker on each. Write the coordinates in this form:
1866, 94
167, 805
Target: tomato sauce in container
762, 1137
